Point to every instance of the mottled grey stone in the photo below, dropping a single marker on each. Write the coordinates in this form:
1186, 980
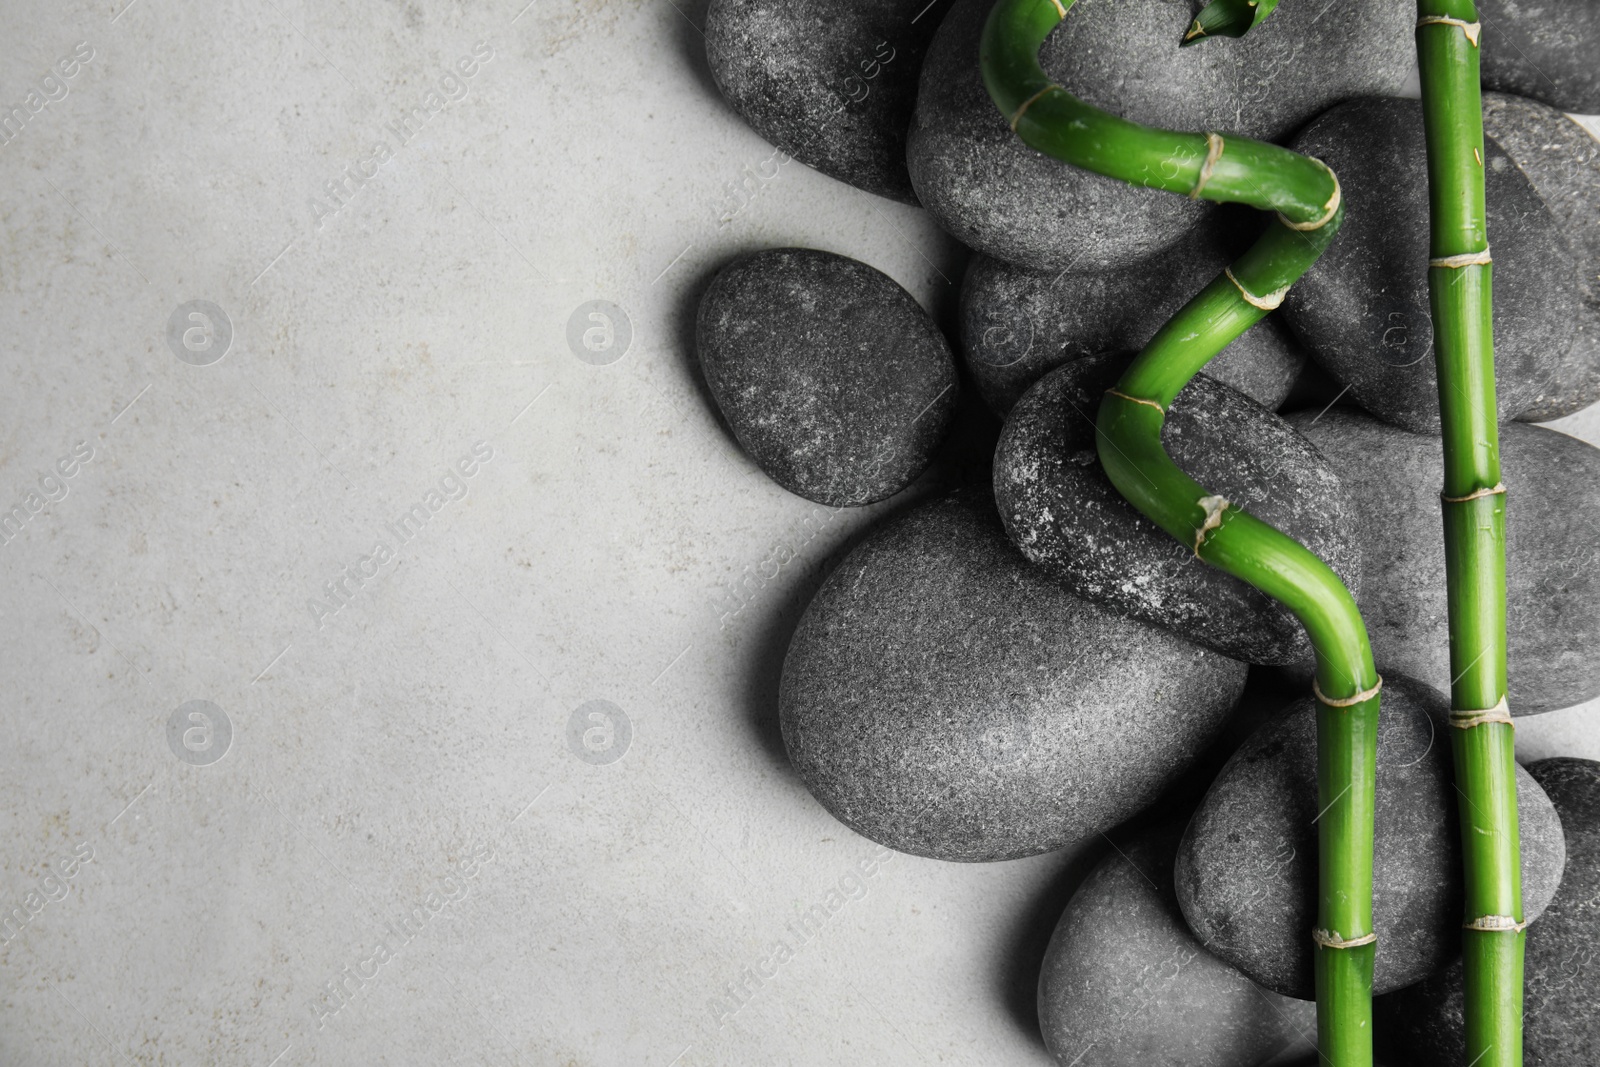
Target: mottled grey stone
1562, 160
1018, 325
831, 82
1125, 984
1247, 868
944, 698
1063, 512
830, 375
1422, 1025
1549, 51
982, 184
1362, 309
1552, 553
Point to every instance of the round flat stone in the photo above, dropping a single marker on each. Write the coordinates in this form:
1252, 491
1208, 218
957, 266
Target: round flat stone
1562, 160
944, 698
1362, 310
1548, 52
833, 379
1018, 325
1064, 514
1422, 1025
1247, 868
830, 82
1552, 553
997, 195
1125, 984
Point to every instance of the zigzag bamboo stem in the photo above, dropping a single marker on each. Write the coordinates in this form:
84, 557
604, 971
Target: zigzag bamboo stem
1305, 195
1473, 502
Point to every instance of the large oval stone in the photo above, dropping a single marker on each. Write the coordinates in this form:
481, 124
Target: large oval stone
1125, 984
1247, 868
1549, 52
1065, 515
1362, 309
1562, 160
982, 184
1018, 325
831, 376
1552, 553
944, 698
831, 82
1561, 988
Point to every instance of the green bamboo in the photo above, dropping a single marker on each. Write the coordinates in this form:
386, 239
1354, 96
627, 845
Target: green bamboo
1473, 502
1305, 195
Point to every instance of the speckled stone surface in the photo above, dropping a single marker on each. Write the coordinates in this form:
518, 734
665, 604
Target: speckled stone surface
1362, 309
831, 82
1552, 552
1562, 160
1545, 50
1561, 989
1125, 984
1018, 325
833, 379
1062, 511
1247, 868
944, 698
1005, 199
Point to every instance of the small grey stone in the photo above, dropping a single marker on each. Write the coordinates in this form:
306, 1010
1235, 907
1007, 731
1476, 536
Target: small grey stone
830, 375
1562, 160
1362, 309
1016, 325
1066, 516
983, 185
1552, 553
831, 82
1125, 984
1550, 52
1247, 868
1422, 1025
944, 698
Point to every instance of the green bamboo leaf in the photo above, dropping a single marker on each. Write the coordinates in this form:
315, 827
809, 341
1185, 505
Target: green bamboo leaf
1227, 18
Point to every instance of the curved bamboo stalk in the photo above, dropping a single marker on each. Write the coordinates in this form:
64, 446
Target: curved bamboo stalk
1305, 195
1473, 502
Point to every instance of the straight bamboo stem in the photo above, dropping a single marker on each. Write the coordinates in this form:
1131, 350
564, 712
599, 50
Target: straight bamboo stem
1305, 195
1460, 277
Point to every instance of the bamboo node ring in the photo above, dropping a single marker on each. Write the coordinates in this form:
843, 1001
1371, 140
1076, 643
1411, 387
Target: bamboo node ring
1026, 104
1346, 702
1265, 303
1331, 939
1465, 719
1495, 490
1471, 29
1213, 506
1496, 924
1214, 147
1137, 400
1466, 259
1329, 210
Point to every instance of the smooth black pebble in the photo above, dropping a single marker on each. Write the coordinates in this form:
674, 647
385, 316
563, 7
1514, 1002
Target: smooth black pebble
831, 83
1247, 869
831, 376
943, 697
1064, 514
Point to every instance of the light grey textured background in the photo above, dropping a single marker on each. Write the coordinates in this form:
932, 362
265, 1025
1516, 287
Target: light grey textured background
377, 749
